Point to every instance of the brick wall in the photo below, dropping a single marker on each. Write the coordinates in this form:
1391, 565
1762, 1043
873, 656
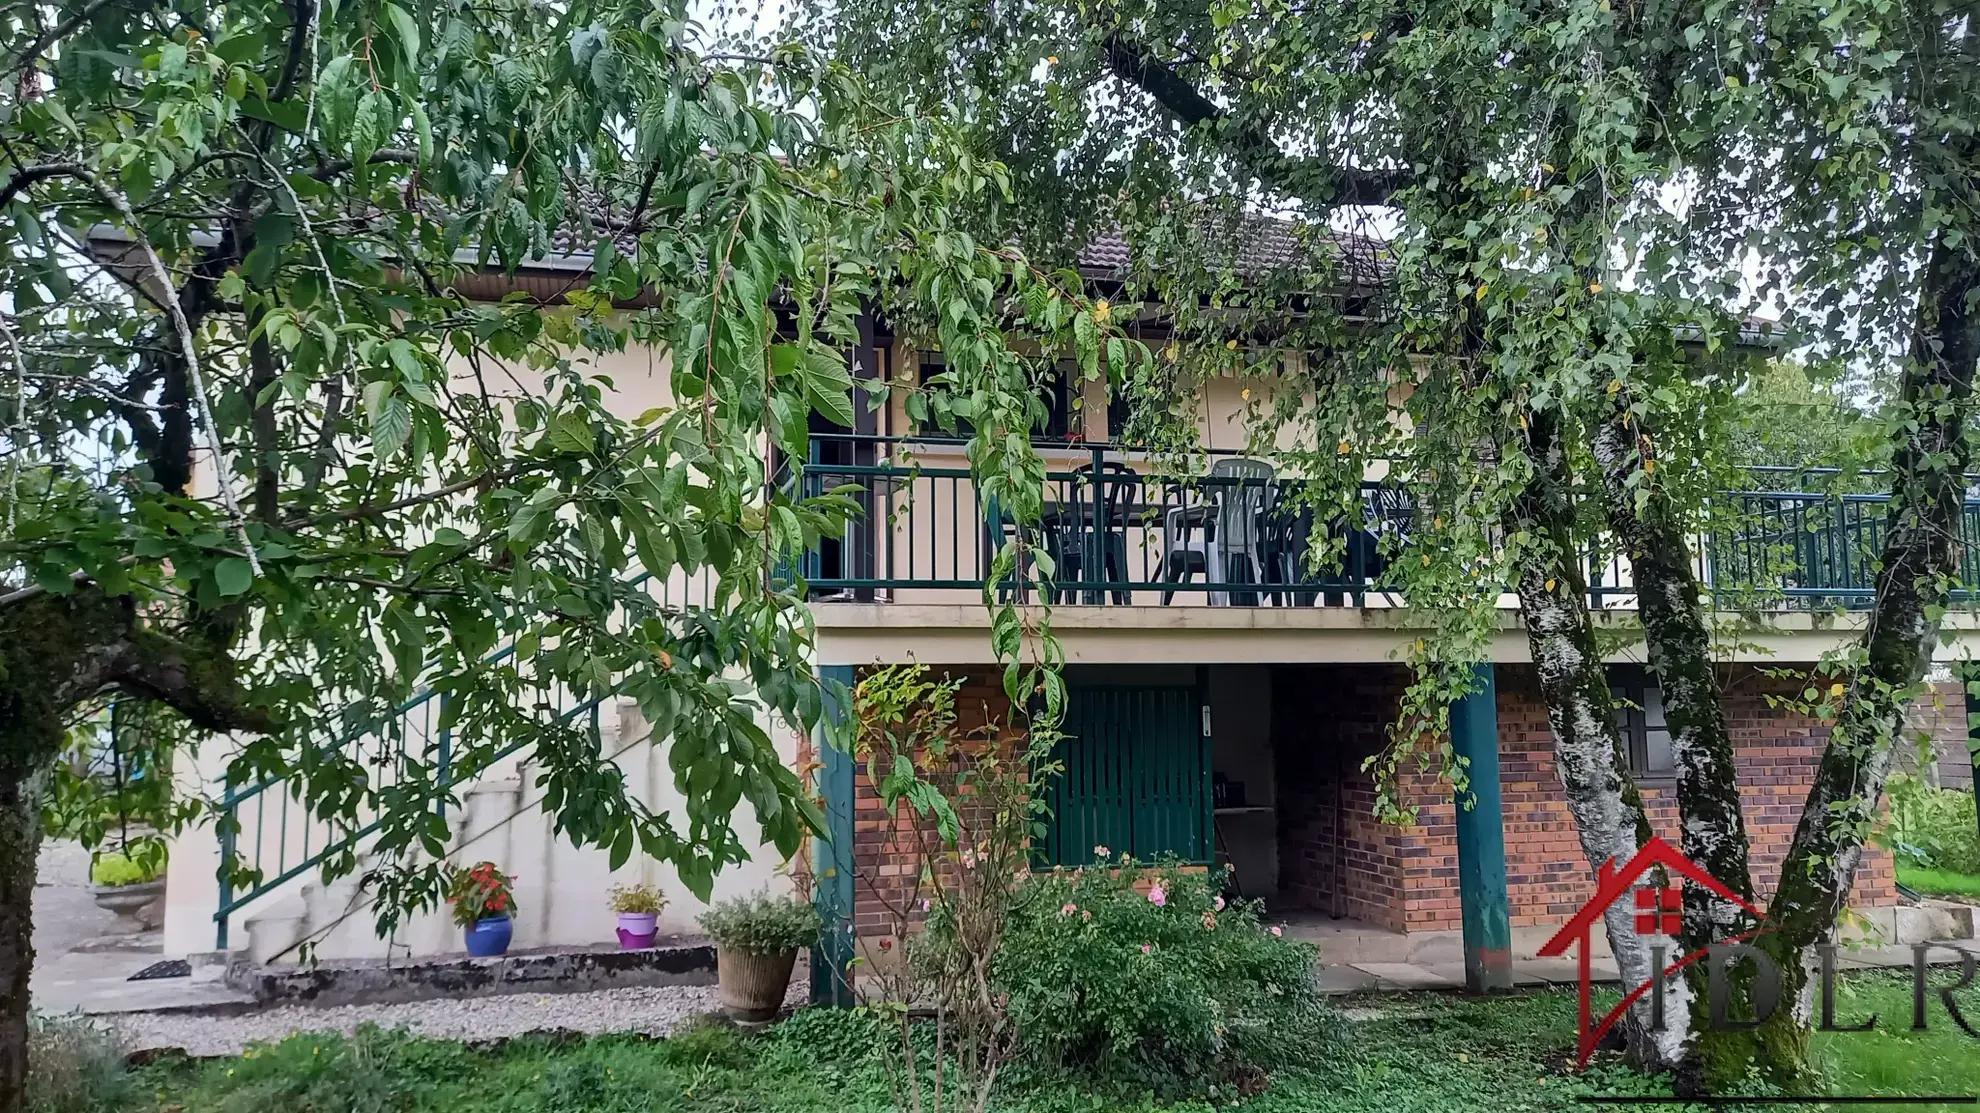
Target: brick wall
889, 850
1941, 713
1333, 854
1335, 857
1774, 750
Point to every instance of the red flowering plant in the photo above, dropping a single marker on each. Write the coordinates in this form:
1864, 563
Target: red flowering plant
481, 893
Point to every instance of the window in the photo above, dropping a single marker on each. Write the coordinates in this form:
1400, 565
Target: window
932, 364
1120, 412
1058, 396
1640, 717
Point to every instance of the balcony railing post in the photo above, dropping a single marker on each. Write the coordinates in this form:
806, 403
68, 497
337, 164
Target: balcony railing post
813, 564
1095, 562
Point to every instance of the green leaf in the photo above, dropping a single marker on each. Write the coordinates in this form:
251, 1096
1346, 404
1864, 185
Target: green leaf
828, 385
571, 432
391, 426
233, 576
405, 30
287, 115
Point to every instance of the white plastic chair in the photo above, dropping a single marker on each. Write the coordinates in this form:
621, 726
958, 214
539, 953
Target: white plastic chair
1230, 537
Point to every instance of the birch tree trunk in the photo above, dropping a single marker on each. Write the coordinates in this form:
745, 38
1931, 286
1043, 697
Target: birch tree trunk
1679, 645
1608, 812
1920, 557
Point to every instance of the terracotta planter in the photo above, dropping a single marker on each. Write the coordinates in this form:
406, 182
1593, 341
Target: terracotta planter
753, 985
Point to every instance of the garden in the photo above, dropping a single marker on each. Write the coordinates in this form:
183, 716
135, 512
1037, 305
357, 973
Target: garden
1935, 839
1390, 1054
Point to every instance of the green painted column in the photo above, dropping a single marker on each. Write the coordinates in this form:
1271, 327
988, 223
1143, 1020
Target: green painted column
832, 856
1481, 840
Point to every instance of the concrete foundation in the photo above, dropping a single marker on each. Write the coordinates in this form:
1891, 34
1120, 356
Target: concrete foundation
379, 982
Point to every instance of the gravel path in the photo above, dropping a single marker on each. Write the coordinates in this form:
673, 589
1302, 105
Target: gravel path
655, 1011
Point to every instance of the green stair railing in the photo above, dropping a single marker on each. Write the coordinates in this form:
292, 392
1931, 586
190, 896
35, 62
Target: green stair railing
260, 820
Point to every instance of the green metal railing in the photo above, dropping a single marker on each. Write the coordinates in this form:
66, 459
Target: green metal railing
1118, 536
1113, 534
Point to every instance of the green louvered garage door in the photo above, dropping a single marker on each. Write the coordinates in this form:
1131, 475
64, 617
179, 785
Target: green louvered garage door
1136, 779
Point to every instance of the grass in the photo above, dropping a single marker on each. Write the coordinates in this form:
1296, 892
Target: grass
1926, 879
1415, 1053
1894, 1059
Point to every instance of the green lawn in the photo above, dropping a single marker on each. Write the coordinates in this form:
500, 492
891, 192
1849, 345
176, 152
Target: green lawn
1417, 1053
1896, 1060
1949, 882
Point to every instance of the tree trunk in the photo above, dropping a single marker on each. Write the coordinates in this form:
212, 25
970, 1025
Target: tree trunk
1669, 605
1920, 556
20, 843
1608, 813
56, 653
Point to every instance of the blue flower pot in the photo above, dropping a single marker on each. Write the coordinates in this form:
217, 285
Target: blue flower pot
488, 936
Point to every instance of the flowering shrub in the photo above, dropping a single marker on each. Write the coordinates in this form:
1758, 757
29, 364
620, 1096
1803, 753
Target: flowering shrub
480, 893
1147, 975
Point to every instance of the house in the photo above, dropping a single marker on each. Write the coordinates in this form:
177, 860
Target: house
1222, 702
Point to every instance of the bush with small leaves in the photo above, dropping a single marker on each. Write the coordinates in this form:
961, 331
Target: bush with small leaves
1933, 827
1148, 976
762, 924
123, 869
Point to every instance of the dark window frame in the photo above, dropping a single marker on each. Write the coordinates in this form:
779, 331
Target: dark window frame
1646, 734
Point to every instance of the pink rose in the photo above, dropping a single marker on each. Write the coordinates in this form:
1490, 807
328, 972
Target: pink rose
1277, 931
1099, 852
1158, 896
1146, 948
1068, 909
1219, 904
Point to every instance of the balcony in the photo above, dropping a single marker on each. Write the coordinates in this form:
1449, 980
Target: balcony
1119, 534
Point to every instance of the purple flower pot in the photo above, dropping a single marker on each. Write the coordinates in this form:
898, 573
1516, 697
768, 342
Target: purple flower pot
636, 929
489, 936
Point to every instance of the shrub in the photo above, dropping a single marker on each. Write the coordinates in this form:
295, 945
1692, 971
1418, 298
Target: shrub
638, 898
118, 868
480, 893
762, 924
75, 1065
1148, 976
835, 1035
1933, 827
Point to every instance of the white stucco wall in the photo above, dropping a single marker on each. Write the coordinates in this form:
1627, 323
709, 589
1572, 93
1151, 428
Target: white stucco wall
560, 889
